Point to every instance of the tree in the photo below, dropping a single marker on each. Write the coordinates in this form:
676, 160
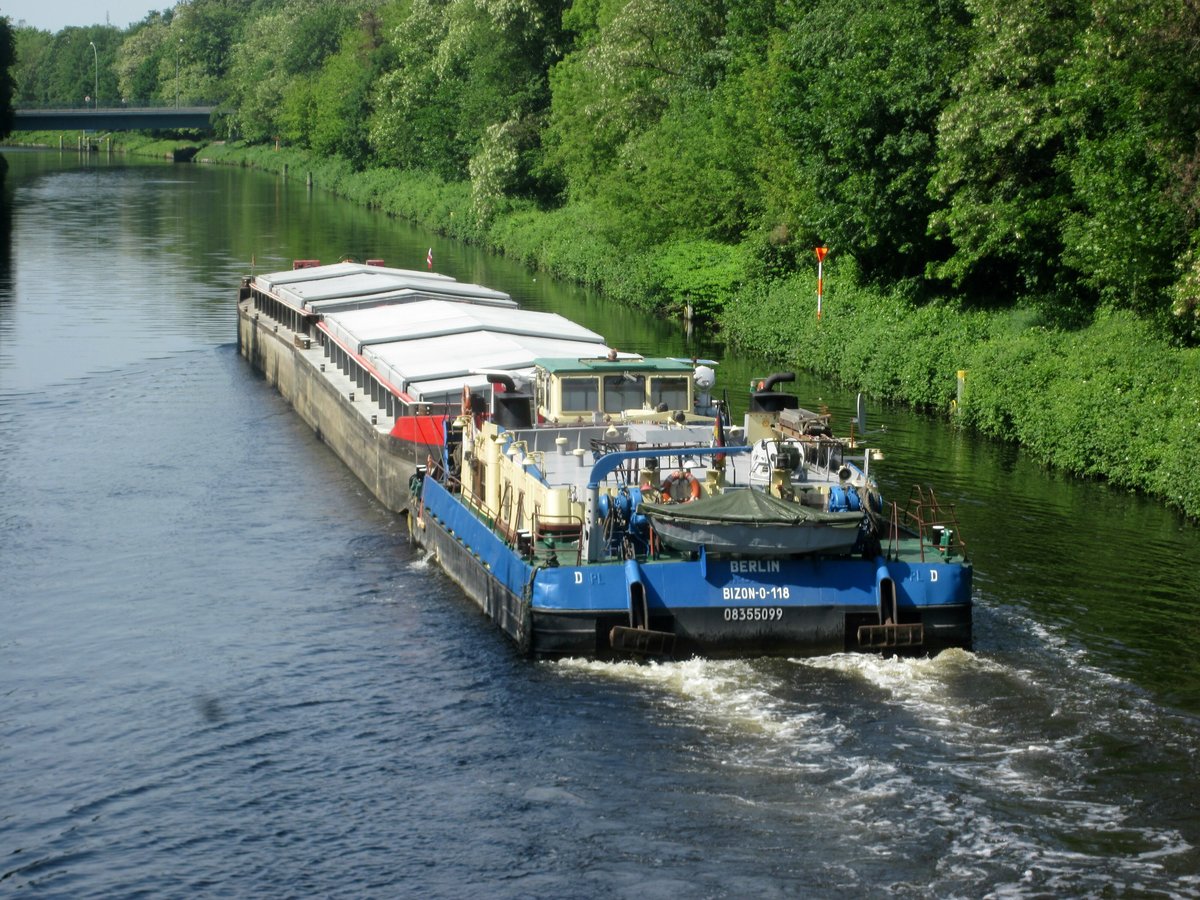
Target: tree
273, 68
631, 59
686, 176
32, 66
341, 95
415, 102
8, 54
256, 79
1131, 91
140, 58
460, 68
207, 31
854, 94
999, 178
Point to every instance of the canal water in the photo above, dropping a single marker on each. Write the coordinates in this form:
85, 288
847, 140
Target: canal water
224, 671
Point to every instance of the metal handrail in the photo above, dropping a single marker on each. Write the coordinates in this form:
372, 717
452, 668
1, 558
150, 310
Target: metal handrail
936, 527
570, 519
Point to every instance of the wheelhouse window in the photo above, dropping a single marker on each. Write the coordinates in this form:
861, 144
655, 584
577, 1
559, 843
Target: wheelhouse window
624, 391
670, 391
580, 394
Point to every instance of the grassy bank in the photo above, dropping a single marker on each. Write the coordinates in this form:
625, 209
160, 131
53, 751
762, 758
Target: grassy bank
1110, 401
565, 242
129, 142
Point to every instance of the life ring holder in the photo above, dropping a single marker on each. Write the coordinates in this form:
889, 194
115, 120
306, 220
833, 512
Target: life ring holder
665, 489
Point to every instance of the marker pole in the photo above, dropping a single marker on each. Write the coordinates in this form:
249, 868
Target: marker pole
820, 251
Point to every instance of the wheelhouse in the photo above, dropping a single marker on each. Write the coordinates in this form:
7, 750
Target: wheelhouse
575, 390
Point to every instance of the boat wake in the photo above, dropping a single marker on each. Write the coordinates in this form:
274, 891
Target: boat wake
1012, 771
734, 696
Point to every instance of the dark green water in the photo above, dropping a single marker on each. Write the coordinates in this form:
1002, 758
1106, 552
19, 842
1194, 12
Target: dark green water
223, 670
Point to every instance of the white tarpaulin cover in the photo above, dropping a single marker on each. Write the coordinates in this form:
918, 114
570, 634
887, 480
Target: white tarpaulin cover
345, 281
336, 270
428, 335
433, 318
451, 359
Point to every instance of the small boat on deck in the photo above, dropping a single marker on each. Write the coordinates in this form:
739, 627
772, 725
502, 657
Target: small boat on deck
751, 523
597, 503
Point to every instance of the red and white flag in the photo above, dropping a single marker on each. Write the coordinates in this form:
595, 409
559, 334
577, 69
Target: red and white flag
429, 259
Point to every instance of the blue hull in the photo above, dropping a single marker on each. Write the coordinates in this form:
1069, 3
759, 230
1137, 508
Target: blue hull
712, 606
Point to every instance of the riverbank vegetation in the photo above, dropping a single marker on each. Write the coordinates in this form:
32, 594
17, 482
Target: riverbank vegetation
1007, 191
160, 146
8, 54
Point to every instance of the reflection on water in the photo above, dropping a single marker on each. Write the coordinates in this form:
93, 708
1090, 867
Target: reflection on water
225, 672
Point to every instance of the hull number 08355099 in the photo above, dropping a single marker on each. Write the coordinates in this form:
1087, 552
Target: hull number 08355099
753, 614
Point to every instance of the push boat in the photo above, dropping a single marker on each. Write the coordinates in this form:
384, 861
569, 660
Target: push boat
604, 504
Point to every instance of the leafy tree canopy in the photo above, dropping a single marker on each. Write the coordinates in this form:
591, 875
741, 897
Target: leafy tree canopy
1045, 154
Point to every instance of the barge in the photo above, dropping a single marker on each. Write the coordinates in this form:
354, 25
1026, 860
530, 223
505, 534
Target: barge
599, 503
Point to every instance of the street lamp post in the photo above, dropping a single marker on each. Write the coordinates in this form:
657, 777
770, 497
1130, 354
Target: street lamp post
96, 87
177, 73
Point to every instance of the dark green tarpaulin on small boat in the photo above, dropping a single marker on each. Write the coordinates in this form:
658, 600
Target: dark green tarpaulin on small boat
746, 506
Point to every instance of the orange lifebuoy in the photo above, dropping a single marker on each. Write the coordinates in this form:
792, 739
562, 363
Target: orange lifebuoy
466, 400
667, 487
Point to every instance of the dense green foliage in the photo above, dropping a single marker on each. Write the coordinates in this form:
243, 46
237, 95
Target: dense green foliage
8, 53
997, 185
1044, 156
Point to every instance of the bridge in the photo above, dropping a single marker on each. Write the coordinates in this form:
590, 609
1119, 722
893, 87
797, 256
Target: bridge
119, 118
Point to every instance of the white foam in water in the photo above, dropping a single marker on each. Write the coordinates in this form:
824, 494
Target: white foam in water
1051, 780
1012, 797
730, 692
